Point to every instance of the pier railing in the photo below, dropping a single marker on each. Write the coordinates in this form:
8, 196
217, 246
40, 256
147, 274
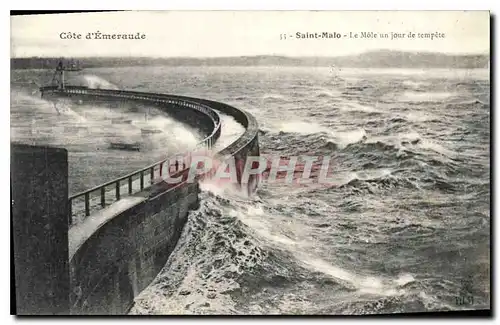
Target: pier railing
102, 195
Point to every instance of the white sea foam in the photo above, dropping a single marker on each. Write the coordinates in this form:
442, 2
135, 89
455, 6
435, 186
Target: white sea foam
410, 96
301, 127
414, 84
93, 81
419, 116
273, 96
333, 93
230, 131
341, 138
356, 107
265, 227
349, 137
365, 284
414, 140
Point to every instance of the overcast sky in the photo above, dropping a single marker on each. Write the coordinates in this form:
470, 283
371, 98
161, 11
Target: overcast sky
233, 33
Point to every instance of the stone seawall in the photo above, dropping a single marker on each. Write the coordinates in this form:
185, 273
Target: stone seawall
39, 212
120, 258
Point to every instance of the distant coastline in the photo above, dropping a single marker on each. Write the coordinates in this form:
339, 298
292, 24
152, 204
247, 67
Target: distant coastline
373, 59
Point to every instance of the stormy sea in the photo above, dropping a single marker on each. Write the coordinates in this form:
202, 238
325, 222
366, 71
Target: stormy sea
405, 226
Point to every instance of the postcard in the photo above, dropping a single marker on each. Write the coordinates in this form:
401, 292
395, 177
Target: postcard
251, 163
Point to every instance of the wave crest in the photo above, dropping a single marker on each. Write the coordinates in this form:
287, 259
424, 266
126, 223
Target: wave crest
96, 82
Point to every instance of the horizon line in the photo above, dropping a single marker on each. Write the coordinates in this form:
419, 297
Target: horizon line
484, 53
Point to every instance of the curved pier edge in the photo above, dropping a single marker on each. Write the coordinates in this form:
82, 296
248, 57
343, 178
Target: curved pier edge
117, 253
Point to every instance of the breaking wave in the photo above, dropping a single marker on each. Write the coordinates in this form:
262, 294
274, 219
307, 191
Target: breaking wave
93, 81
426, 96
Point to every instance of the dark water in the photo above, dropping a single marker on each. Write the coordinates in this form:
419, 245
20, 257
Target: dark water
404, 228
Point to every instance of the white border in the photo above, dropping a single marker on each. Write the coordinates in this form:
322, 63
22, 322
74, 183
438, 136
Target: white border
191, 5
260, 5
